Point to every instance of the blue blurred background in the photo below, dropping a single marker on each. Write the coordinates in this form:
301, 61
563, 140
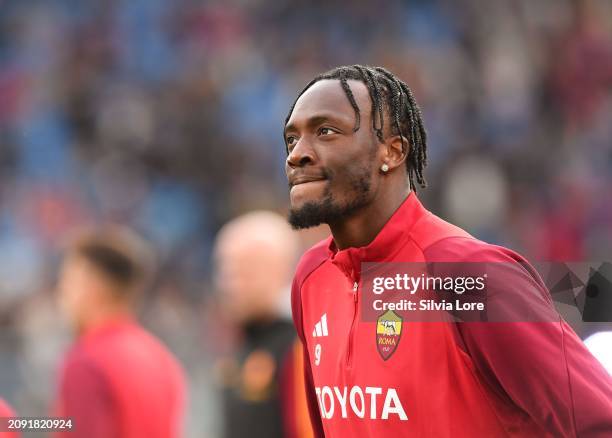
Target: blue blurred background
167, 116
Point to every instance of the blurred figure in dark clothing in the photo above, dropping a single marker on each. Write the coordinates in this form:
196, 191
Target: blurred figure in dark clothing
263, 392
117, 380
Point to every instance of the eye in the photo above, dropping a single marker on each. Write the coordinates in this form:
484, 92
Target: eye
326, 131
290, 140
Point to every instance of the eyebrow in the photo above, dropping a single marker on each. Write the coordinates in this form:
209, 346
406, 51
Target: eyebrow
317, 119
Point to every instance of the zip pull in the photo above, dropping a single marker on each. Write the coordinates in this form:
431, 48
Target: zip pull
355, 287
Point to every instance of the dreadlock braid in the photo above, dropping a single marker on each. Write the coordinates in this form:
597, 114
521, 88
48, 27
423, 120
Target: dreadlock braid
376, 106
389, 92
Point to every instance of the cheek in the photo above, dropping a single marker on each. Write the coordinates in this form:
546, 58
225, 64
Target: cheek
237, 284
69, 300
73, 290
355, 163
233, 287
350, 180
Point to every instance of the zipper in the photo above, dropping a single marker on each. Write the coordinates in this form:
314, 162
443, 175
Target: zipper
349, 350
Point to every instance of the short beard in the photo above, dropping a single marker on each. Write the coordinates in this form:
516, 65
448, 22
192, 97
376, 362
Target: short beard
327, 211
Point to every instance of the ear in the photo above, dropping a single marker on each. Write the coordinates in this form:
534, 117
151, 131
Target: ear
395, 151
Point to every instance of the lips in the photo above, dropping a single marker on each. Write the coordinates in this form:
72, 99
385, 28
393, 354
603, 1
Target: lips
303, 179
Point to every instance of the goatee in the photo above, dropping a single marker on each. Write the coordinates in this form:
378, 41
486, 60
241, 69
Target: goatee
328, 211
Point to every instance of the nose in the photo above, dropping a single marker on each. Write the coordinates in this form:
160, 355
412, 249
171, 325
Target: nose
301, 155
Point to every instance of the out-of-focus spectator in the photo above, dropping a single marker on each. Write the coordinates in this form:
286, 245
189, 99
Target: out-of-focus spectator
262, 382
117, 380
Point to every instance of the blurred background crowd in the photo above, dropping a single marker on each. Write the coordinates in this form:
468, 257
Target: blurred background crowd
167, 116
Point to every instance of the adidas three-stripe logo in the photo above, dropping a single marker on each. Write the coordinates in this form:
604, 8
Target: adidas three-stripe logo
320, 327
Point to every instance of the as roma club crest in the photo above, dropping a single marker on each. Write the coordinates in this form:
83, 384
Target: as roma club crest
388, 333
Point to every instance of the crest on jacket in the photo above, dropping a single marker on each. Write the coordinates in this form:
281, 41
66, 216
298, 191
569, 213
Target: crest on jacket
388, 333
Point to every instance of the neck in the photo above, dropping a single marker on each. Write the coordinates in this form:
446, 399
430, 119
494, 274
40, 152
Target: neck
361, 228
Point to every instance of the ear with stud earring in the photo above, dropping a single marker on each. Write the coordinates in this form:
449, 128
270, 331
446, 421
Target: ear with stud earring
384, 167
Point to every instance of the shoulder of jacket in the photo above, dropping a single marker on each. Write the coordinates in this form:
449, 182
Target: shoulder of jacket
311, 260
443, 240
431, 230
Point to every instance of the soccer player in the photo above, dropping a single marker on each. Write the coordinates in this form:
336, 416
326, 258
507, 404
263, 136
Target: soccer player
356, 151
117, 380
263, 385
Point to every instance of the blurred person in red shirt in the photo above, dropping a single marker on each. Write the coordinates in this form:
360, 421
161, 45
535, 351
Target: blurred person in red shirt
263, 387
117, 380
5, 412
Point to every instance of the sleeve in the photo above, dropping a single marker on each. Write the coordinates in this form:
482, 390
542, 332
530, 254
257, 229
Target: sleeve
84, 396
311, 398
530, 354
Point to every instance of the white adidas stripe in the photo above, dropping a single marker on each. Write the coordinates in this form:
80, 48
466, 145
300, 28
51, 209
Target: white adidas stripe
324, 324
321, 327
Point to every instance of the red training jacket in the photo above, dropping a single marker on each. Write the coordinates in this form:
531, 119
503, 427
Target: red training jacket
119, 381
444, 379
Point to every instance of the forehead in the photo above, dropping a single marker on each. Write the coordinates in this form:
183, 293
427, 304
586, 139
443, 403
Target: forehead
326, 97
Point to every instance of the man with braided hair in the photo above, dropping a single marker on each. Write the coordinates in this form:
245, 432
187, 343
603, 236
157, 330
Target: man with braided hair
356, 150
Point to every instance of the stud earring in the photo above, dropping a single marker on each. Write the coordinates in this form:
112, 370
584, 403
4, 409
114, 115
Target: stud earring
384, 167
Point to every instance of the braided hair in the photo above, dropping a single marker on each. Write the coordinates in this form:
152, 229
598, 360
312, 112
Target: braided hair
389, 93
